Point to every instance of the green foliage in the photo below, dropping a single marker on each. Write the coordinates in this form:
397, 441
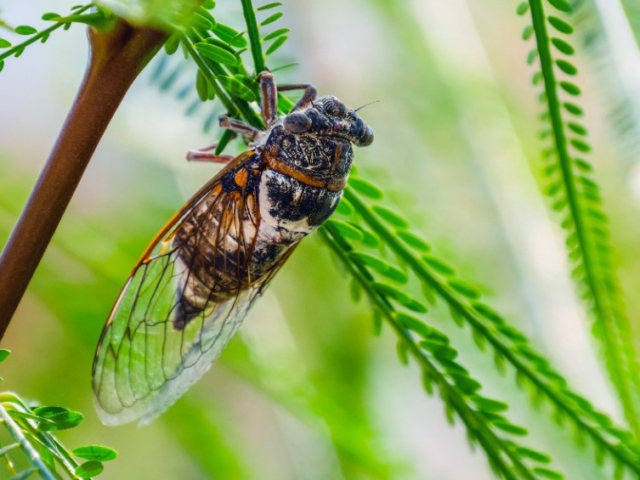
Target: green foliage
483, 417
29, 428
100, 19
388, 263
577, 199
509, 346
384, 281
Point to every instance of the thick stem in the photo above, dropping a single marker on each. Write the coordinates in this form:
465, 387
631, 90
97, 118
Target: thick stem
116, 58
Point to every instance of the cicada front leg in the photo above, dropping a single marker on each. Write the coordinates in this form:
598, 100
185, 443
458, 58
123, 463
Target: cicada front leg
204, 155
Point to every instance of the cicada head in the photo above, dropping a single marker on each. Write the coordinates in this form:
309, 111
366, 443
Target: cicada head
328, 116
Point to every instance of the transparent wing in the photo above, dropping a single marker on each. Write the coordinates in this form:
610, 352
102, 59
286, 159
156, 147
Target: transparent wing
151, 351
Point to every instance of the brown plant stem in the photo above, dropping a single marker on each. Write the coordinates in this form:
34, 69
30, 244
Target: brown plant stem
116, 58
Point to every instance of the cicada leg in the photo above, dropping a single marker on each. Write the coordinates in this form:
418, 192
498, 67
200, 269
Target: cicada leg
309, 95
269, 93
269, 96
204, 155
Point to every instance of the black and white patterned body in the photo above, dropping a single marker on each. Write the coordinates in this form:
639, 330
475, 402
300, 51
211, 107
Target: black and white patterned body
197, 280
297, 179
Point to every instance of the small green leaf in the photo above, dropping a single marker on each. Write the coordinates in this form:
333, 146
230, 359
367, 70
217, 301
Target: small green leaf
376, 263
271, 18
346, 229
365, 187
546, 473
276, 45
391, 217
62, 418
427, 291
369, 240
533, 455
537, 78
377, 323
531, 56
50, 16
441, 352
355, 291
276, 33
567, 67
89, 469
269, 6
414, 324
402, 350
344, 207
583, 165
580, 145
200, 22
427, 384
217, 54
413, 241
207, 16
464, 289
511, 428
467, 384
527, 32
489, 405
562, 5
95, 452
570, 88
563, 46
479, 339
438, 265
229, 35
202, 85
399, 296
4, 354
560, 25
577, 128
573, 109
396, 275
236, 88
522, 8
172, 44
4, 43
25, 30
488, 313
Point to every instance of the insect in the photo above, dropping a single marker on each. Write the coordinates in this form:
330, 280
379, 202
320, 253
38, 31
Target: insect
195, 283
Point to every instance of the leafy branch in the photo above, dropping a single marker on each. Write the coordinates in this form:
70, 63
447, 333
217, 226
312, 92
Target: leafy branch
31, 430
481, 416
510, 346
43, 35
576, 196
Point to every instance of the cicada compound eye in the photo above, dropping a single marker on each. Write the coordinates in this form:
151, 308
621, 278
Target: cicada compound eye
297, 122
334, 107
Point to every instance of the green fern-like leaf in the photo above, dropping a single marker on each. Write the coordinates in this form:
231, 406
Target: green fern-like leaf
483, 417
98, 19
510, 347
576, 197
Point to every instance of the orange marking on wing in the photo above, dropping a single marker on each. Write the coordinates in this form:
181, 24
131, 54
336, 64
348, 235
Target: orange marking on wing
241, 178
212, 187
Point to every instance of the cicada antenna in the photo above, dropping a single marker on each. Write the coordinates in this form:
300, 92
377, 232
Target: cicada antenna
366, 105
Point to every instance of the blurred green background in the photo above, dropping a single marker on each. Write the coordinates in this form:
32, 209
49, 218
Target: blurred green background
306, 391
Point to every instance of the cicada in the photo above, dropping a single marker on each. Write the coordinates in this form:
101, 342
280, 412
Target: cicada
195, 283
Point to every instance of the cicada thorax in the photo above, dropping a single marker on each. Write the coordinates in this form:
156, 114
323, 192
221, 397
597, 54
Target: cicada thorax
304, 180
288, 188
